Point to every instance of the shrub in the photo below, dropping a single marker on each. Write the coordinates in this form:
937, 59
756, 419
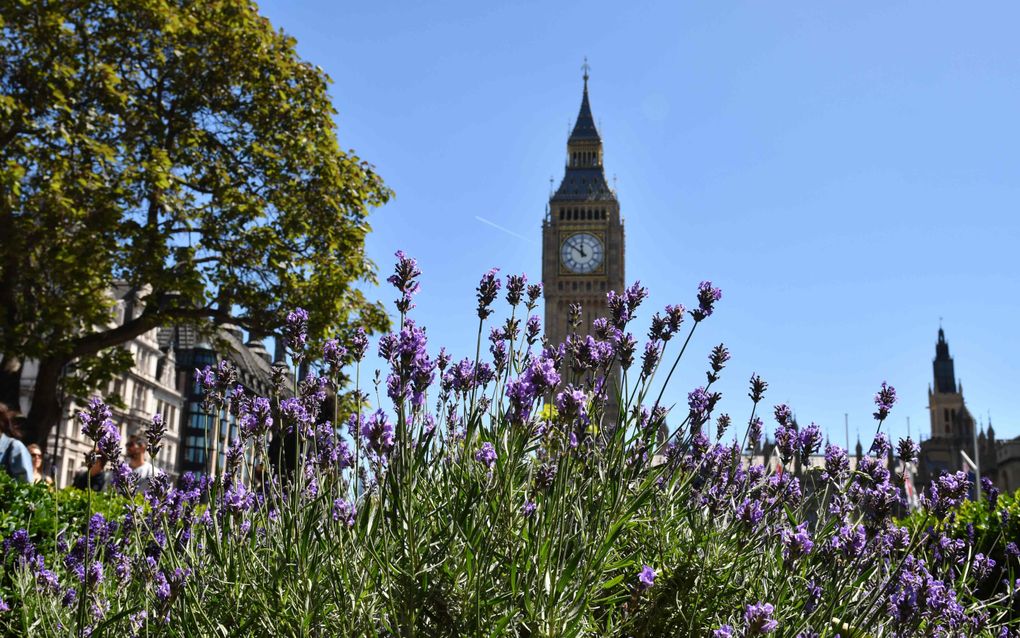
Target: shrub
497, 496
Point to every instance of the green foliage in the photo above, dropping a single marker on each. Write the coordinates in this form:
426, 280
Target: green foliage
991, 525
182, 148
45, 512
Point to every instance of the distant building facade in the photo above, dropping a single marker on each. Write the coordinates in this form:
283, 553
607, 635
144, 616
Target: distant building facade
150, 387
954, 432
161, 381
195, 350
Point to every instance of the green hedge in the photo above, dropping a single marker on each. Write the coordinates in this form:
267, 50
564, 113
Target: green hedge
45, 512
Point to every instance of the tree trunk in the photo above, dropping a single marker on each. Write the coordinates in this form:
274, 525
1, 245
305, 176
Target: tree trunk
45, 412
10, 381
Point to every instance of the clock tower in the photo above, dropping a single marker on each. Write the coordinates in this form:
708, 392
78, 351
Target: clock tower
582, 234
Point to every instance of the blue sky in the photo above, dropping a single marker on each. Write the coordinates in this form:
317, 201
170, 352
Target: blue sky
847, 173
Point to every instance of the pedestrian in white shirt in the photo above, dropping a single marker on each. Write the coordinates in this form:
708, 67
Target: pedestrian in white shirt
138, 461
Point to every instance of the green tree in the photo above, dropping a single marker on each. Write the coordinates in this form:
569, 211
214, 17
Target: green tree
181, 147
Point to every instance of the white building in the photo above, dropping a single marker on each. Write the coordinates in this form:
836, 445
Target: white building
150, 387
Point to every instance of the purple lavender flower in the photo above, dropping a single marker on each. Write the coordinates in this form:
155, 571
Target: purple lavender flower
403, 279
95, 419
488, 288
333, 354
983, 567
849, 541
646, 578
625, 347
717, 359
294, 414
4, 606
378, 434
758, 618
674, 319
707, 296
515, 288
634, 295
721, 425
162, 587
533, 329
572, 403
884, 401
109, 443
1012, 550
486, 455
750, 513
521, 393
256, 418
754, 432
946, 492
650, 358
238, 498
618, 312
787, 442
698, 400
991, 492
837, 464
19, 544
154, 434
726, 631
124, 479
529, 508
534, 292
542, 374
295, 332
511, 329
343, 510
659, 329
810, 439
908, 450
359, 344
205, 378
797, 543
880, 446
783, 414
814, 596
234, 456
758, 388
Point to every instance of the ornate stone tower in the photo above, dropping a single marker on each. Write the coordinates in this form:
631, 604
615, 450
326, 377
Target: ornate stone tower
950, 419
582, 234
953, 428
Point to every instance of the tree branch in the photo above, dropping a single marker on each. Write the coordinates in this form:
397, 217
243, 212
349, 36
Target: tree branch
149, 319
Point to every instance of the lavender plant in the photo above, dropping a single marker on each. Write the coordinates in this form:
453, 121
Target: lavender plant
496, 496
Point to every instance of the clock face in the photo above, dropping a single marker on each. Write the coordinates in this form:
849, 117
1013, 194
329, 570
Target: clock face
582, 253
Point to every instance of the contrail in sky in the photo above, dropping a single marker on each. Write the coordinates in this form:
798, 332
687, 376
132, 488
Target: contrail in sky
505, 230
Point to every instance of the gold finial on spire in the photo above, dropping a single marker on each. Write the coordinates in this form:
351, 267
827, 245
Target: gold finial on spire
586, 67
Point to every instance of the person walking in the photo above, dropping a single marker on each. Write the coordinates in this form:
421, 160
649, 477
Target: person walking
14, 456
37, 465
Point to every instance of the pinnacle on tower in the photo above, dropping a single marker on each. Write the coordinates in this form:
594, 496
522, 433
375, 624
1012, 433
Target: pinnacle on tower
585, 178
942, 365
584, 127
